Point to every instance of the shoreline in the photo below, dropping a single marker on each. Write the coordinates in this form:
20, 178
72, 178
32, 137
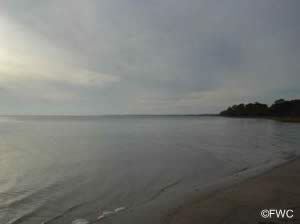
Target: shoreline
242, 201
289, 119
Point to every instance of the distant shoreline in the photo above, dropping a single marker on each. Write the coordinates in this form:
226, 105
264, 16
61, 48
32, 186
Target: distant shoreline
102, 115
281, 110
91, 117
281, 119
105, 116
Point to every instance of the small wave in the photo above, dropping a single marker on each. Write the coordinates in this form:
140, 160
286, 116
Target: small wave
21, 218
62, 214
105, 214
165, 188
120, 209
80, 221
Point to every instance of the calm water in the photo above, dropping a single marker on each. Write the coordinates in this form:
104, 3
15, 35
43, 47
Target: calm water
67, 169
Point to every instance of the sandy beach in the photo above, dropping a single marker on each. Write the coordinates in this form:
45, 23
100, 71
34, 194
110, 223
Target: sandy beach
243, 202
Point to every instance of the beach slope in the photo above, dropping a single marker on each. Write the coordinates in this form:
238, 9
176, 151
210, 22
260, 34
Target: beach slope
243, 202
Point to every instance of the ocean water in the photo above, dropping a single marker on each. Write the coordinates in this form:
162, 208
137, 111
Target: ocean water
125, 169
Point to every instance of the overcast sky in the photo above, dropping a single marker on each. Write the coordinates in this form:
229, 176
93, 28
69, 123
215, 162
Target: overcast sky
146, 56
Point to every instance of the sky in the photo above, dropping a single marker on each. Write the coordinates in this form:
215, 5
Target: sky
146, 56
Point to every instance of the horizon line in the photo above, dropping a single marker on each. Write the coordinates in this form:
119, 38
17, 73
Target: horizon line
101, 115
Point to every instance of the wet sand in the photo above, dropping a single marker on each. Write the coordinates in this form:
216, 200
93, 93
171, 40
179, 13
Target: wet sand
242, 203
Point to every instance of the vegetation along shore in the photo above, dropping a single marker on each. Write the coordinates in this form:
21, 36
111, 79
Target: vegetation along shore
283, 110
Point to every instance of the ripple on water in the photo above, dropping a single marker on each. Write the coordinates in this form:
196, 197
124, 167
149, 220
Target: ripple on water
80, 221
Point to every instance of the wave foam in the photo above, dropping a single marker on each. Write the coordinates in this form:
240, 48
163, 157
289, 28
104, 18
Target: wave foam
80, 221
105, 214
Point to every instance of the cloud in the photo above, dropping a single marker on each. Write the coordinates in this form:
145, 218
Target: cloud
25, 57
133, 56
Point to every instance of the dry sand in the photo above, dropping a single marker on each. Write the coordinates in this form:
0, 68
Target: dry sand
243, 202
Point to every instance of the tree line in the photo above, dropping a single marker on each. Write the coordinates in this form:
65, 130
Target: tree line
280, 108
